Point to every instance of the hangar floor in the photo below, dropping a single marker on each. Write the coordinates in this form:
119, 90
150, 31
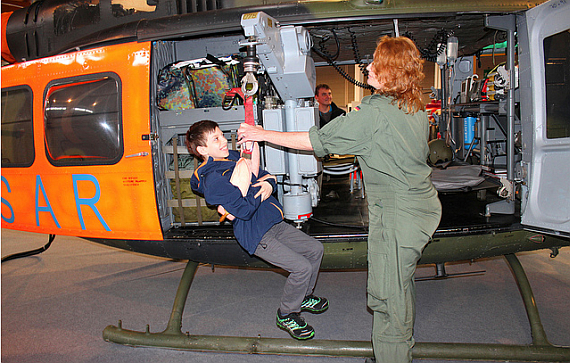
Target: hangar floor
56, 305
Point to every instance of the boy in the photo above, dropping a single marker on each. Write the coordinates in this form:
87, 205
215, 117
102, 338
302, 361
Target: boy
258, 223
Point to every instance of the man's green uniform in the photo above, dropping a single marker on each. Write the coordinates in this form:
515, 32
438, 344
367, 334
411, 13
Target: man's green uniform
404, 211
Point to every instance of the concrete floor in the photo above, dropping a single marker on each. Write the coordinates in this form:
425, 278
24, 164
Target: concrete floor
56, 305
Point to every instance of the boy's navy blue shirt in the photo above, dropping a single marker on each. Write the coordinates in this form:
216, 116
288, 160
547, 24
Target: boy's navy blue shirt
253, 217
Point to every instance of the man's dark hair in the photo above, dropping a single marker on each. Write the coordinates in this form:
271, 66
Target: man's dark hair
197, 135
319, 86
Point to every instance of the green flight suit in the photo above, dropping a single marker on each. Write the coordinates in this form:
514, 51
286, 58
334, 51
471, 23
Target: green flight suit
404, 210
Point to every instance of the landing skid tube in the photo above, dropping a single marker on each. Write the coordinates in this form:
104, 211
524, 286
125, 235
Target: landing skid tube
172, 337
441, 273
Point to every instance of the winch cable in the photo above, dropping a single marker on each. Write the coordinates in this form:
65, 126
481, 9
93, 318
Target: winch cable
323, 53
436, 46
30, 253
357, 58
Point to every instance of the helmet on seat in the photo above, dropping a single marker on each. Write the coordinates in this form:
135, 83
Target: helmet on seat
439, 152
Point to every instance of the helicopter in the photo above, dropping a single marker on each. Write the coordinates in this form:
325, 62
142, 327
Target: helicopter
97, 96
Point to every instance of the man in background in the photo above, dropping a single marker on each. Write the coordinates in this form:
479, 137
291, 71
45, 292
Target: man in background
327, 108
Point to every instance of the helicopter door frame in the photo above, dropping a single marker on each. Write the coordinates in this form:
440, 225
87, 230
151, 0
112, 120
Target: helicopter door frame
546, 151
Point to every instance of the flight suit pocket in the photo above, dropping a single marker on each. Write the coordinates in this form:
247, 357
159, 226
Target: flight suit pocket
377, 280
377, 253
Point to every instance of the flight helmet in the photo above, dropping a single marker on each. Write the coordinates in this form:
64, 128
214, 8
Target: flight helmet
439, 152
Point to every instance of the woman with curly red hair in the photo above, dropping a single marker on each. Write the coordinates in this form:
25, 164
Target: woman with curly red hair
398, 72
388, 132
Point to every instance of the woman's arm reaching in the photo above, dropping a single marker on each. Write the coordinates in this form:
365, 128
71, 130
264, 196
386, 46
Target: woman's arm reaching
293, 140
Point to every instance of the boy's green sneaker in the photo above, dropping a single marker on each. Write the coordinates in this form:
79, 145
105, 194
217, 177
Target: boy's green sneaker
314, 304
295, 325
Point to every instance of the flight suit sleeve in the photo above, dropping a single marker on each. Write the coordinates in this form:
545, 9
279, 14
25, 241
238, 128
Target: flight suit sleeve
349, 134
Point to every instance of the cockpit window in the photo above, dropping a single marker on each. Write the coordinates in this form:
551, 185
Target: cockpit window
83, 121
557, 70
128, 7
17, 130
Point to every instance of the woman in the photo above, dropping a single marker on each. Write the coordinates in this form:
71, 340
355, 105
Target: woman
388, 133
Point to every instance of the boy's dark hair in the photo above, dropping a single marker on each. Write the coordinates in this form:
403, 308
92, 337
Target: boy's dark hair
196, 135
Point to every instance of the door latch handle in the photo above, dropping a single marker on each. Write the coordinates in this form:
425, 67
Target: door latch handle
144, 153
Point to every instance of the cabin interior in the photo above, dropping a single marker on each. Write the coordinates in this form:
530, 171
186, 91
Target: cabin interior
467, 183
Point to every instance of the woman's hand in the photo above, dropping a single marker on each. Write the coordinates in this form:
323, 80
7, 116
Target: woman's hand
250, 133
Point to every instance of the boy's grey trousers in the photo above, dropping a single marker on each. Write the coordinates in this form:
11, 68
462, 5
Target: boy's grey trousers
296, 252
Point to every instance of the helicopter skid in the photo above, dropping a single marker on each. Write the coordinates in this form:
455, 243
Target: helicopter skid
173, 338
